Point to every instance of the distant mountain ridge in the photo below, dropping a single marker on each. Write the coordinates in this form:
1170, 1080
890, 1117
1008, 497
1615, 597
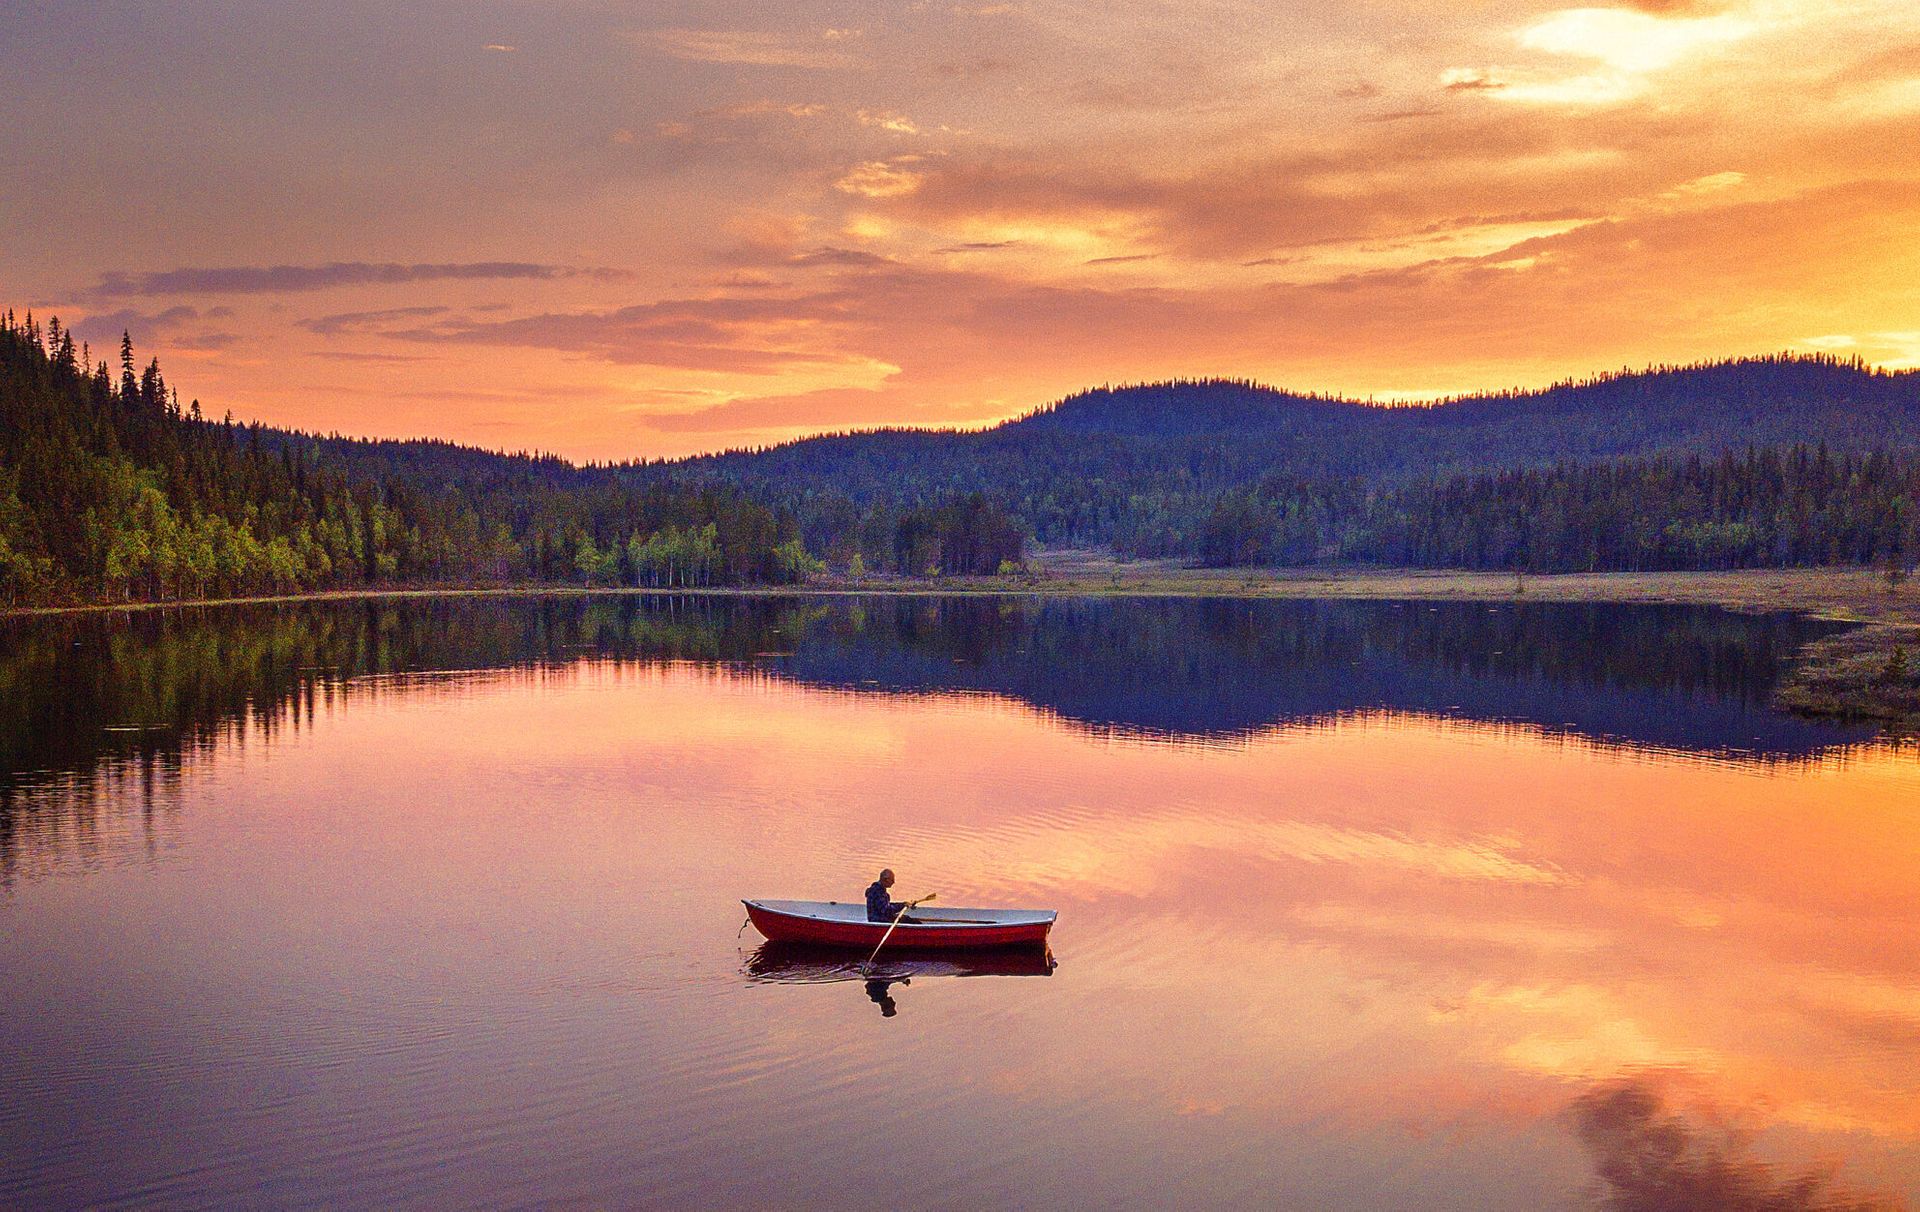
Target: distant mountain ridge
1707, 409
1246, 430
1089, 467
1742, 391
1148, 468
1704, 409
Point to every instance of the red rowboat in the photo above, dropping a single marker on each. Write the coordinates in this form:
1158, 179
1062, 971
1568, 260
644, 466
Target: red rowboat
838, 924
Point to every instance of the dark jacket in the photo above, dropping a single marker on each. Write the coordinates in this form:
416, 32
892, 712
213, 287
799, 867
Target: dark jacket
880, 906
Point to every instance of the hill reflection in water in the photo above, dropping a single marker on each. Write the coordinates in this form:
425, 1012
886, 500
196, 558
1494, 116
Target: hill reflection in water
106, 708
80, 690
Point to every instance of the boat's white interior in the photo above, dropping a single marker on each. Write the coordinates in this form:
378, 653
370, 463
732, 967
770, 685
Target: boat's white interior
856, 911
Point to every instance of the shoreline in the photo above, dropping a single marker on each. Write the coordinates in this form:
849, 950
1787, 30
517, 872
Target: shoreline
1871, 670
1850, 595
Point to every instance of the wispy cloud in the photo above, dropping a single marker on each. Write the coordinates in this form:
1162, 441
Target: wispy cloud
755, 48
881, 179
887, 120
288, 279
367, 321
179, 327
1470, 80
754, 109
837, 257
733, 334
351, 355
1711, 183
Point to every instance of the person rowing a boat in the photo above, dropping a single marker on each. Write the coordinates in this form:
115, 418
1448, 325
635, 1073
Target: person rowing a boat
882, 907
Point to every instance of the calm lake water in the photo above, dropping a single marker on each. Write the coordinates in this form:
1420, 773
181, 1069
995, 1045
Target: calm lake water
1362, 905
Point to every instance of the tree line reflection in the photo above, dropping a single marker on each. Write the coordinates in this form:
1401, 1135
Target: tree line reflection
113, 705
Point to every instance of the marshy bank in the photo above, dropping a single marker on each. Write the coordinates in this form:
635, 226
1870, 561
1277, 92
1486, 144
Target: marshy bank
1871, 672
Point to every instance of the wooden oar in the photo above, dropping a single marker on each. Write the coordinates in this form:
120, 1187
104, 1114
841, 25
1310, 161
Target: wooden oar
868, 966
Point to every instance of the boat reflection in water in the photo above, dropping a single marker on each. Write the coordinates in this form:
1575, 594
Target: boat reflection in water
799, 964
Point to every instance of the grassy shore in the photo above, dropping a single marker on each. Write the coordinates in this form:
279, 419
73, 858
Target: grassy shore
1845, 594
1869, 671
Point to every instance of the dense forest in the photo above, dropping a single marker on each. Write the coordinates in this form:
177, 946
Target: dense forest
111, 490
1147, 469
1770, 507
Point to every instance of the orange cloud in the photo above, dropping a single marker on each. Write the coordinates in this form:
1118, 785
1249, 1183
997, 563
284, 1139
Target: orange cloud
881, 179
757, 48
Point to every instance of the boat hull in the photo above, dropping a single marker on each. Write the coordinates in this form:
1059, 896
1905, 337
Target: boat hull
782, 926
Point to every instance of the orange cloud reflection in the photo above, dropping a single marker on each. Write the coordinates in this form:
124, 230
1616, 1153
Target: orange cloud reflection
1330, 919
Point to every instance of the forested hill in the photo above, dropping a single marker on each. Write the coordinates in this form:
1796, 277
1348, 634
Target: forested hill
1761, 401
1222, 433
1228, 471
111, 490
1065, 467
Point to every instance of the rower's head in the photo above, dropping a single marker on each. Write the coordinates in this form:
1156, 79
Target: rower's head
886, 877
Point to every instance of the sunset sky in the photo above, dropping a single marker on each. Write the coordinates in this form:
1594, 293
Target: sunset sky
622, 230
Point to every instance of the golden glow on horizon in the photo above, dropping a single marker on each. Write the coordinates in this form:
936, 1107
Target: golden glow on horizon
614, 240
